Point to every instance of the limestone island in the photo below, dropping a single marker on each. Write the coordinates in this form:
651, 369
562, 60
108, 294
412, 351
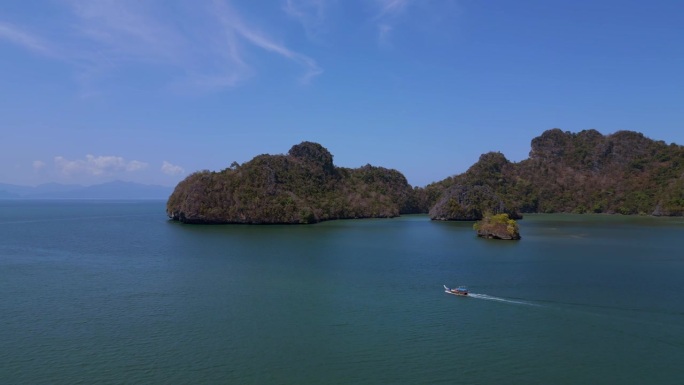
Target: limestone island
586, 172
304, 186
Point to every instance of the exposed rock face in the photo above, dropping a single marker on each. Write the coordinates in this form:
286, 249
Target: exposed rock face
466, 203
314, 154
481, 189
498, 232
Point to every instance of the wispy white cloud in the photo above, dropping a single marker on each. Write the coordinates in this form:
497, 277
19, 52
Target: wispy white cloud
206, 47
391, 8
135, 165
171, 169
384, 33
24, 39
233, 24
388, 13
312, 14
126, 30
38, 165
97, 165
435, 20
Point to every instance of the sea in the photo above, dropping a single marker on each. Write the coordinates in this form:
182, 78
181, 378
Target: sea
112, 292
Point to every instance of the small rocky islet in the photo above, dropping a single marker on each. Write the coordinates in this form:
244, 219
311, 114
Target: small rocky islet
498, 226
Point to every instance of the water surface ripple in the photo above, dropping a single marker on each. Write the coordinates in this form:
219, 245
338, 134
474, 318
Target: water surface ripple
111, 292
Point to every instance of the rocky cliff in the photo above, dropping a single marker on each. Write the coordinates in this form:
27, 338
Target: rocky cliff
303, 186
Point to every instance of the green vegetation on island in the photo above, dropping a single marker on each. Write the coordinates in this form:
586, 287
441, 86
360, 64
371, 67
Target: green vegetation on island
585, 172
301, 187
498, 226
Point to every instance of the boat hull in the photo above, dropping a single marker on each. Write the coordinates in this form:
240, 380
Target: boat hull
456, 293
461, 292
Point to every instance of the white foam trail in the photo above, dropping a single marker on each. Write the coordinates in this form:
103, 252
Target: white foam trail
491, 298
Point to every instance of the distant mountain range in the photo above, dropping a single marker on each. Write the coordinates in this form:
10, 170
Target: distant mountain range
110, 190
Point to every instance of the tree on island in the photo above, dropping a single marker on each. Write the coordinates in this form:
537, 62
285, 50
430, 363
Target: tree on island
498, 226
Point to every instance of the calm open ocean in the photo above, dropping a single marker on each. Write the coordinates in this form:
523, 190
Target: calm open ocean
105, 292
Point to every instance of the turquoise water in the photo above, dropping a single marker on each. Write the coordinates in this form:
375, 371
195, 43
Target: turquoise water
112, 292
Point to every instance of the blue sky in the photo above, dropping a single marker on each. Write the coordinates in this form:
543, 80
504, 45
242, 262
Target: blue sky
152, 90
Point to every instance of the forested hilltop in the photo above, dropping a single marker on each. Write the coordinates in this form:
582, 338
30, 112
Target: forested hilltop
301, 187
585, 172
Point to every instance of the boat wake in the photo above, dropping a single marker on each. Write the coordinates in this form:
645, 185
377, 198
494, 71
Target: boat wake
499, 299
